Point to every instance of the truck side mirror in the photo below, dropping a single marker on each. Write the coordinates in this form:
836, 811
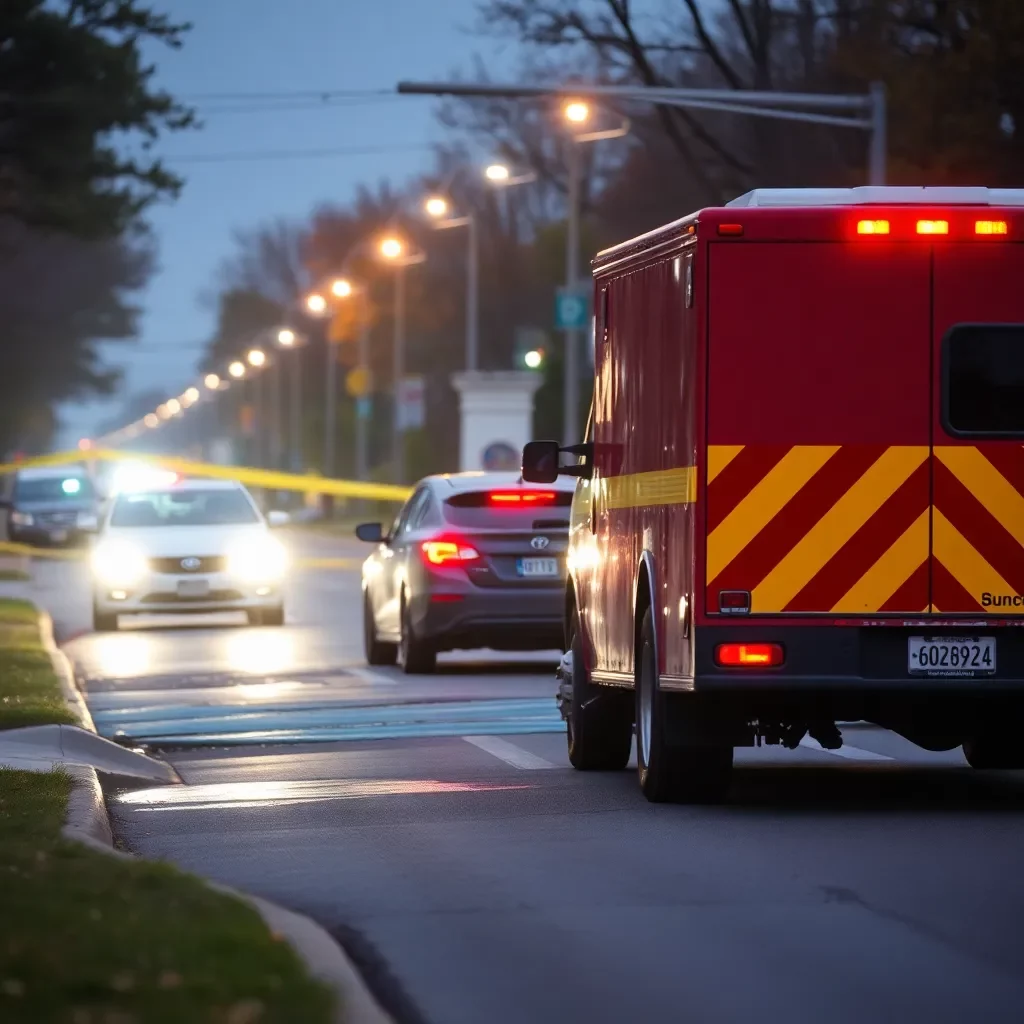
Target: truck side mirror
540, 462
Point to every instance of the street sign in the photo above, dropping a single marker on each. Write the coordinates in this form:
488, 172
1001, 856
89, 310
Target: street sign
411, 404
572, 309
364, 406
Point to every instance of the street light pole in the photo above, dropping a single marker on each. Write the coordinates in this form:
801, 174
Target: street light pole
472, 295
572, 273
398, 361
296, 424
362, 403
330, 405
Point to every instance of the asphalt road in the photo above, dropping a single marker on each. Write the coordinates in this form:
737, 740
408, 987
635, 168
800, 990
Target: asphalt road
877, 883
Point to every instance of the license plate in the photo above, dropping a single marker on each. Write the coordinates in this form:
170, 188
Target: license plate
193, 588
59, 536
537, 566
951, 656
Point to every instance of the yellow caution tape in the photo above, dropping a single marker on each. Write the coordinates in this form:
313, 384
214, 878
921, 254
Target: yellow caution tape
270, 479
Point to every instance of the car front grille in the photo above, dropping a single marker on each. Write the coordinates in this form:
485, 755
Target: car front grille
174, 566
56, 518
212, 597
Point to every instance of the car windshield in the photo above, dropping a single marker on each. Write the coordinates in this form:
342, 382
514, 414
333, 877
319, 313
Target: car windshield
54, 488
213, 507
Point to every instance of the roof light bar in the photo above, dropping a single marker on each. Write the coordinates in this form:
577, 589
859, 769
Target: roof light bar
872, 227
991, 227
933, 227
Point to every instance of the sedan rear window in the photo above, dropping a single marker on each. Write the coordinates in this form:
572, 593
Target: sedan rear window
983, 380
513, 508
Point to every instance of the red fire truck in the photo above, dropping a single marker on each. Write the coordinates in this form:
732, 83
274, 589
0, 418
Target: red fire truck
801, 490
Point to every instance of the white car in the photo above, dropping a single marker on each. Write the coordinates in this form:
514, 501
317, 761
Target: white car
174, 546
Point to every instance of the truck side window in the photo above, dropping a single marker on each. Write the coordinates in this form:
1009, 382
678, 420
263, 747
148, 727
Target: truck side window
983, 380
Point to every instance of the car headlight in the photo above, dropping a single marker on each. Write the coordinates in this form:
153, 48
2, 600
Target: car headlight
118, 563
22, 519
259, 560
87, 521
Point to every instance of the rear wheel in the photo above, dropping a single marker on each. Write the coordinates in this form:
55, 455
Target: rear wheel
103, 622
419, 657
376, 651
599, 726
995, 748
672, 767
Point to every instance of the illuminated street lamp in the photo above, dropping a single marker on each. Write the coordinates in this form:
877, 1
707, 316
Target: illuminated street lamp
497, 172
316, 304
391, 248
576, 112
151, 420
256, 357
237, 369
341, 288
533, 359
436, 206
212, 381
286, 337
190, 397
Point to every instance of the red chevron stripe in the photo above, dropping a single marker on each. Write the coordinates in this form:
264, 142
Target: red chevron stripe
793, 522
947, 593
866, 546
913, 594
739, 478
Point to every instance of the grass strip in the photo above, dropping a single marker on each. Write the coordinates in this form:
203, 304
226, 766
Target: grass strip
88, 938
30, 692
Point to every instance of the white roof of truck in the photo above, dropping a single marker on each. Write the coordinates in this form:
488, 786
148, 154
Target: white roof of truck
882, 195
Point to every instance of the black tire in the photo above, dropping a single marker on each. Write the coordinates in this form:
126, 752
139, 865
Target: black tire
669, 769
377, 652
995, 749
104, 622
599, 727
418, 656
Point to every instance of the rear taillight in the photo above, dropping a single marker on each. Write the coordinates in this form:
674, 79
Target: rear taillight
505, 498
447, 550
749, 655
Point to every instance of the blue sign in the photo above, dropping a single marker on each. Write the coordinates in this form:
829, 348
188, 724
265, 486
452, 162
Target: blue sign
500, 456
572, 309
364, 405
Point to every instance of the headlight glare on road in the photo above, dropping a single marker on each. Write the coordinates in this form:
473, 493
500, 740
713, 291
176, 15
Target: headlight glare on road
118, 563
259, 560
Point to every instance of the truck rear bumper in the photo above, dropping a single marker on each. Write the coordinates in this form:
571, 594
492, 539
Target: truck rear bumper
862, 660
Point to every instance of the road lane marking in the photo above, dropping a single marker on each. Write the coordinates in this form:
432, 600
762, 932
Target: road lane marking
508, 752
850, 753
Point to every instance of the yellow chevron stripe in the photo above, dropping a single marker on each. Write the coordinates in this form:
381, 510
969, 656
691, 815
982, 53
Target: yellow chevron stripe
719, 456
967, 567
907, 553
813, 551
763, 503
988, 485
662, 487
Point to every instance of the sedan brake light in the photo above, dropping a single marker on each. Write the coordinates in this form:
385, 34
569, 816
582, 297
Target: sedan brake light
521, 497
448, 550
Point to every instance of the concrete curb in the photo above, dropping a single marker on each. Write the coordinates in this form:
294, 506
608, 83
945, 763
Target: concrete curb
87, 822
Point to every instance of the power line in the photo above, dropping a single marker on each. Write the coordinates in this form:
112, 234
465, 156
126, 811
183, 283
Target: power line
294, 154
288, 94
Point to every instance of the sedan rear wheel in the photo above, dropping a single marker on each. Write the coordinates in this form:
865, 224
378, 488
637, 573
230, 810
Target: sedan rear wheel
419, 657
377, 652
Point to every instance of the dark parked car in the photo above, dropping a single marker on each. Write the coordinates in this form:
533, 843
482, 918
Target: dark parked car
472, 560
51, 505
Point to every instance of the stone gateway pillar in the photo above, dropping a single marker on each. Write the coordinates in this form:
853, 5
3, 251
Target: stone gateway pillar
496, 417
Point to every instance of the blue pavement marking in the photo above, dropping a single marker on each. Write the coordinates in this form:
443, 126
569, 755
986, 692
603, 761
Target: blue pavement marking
302, 723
